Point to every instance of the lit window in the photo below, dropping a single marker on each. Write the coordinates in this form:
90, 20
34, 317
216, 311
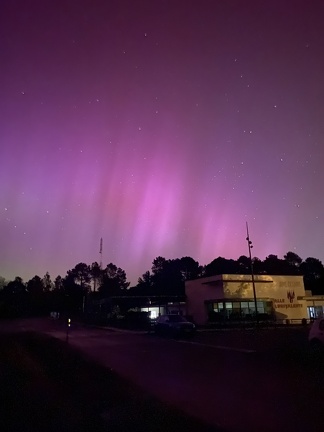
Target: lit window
153, 314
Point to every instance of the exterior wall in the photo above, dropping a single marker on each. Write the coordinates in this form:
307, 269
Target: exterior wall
197, 291
286, 292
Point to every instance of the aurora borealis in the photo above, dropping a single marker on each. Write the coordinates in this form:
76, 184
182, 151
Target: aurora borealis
162, 127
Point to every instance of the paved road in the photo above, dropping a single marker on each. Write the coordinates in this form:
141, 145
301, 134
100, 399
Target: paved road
230, 379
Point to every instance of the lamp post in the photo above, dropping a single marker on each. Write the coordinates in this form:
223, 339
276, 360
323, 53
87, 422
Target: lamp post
250, 246
68, 329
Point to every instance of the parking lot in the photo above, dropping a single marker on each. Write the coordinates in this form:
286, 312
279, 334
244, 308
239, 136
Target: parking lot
237, 380
277, 340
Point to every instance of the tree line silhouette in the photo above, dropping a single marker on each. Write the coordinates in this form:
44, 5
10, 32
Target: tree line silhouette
166, 277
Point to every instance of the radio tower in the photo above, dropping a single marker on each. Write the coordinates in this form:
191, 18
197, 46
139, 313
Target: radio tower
100, 251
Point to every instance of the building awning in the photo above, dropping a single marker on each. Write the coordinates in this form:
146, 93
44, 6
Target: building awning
237, 299
220, 282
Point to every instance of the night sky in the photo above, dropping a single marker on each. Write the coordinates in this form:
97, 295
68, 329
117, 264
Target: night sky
161, 126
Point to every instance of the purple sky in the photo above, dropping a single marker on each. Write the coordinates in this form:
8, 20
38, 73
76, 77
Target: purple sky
162, 127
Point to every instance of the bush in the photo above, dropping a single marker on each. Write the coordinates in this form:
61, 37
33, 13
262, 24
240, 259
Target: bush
139, 320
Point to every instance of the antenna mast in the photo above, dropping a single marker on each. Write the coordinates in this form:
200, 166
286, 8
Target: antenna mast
100, 251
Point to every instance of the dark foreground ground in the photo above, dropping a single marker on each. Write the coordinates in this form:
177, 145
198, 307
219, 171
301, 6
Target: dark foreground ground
46, 385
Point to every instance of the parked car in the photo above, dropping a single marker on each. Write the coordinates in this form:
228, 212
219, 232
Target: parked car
316, 336
174, 325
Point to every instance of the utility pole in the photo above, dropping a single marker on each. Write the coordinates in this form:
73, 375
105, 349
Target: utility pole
250, 246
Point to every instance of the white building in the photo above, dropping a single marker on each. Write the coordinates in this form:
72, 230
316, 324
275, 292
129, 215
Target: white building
231, 297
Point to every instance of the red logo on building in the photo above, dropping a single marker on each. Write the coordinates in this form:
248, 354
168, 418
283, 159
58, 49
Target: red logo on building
291, 296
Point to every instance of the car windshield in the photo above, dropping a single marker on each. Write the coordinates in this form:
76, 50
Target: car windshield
176, 318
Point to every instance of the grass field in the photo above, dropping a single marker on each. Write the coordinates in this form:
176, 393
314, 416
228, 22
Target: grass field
45, 385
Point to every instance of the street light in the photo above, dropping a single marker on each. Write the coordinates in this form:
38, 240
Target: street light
250, 246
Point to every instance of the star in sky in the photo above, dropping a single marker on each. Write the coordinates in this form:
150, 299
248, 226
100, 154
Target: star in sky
161, 129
